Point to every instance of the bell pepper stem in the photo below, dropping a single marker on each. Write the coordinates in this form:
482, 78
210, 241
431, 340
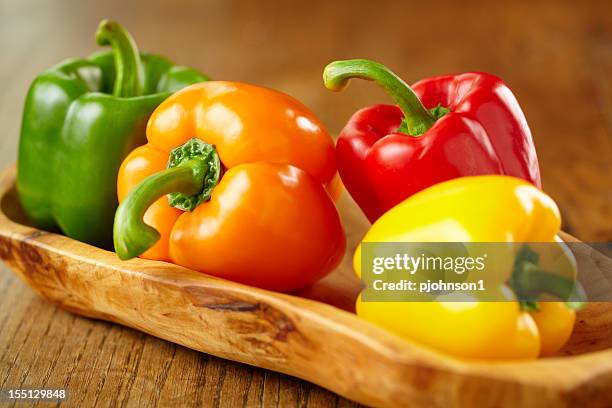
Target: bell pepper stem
128, 67
528, 281
131, 235
194, 169
418, 119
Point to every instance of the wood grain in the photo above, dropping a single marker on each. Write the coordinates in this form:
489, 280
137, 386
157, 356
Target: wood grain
110, 365
555, 55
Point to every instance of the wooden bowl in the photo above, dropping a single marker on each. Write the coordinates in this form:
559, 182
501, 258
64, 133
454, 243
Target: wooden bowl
311, 334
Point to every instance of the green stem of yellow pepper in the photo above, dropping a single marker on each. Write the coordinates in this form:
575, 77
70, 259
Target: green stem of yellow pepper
528, 281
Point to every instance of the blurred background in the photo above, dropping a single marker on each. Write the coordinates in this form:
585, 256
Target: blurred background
555, 55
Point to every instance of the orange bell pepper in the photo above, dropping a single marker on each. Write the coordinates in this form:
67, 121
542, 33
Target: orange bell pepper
245, 169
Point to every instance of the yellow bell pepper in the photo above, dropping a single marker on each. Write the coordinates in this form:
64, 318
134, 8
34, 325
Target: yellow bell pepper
481, 209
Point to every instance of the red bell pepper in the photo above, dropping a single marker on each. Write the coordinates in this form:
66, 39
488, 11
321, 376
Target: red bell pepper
442, 128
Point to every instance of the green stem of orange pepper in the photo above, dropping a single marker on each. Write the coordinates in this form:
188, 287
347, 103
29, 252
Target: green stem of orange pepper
193, 171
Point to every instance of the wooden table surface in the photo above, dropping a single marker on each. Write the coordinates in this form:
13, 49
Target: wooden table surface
556, 56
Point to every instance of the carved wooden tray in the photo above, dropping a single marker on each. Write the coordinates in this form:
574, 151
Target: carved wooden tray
311, 334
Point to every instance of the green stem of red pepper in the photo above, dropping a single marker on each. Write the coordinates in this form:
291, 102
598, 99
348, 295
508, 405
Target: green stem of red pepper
194, 169
128, 67
417, 119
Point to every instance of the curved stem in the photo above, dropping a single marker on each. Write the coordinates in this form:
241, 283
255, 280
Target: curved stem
131, 235
194, 169
528, 281
417, 118
127, 58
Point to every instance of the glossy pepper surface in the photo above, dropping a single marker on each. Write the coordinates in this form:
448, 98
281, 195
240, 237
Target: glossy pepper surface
496, 209
441, 128
81, 118
245, 168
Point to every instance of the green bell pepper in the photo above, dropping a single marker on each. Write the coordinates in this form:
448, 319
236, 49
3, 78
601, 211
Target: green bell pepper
81, 118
